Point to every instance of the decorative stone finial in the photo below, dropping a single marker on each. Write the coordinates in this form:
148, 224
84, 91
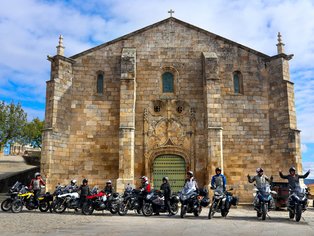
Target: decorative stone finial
60, 47
280, 45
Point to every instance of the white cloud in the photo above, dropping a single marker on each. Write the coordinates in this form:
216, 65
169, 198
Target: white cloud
303, 148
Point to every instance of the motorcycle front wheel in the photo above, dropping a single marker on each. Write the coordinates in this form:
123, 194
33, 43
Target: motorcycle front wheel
114, 208
147, 209
6, 204
298, 213
59, 207
183, 211
87, 208
123, 209
212, 210
264, 211
17, 206
174, 208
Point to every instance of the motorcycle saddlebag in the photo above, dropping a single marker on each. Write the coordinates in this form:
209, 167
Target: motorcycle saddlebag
234, 201
205, 202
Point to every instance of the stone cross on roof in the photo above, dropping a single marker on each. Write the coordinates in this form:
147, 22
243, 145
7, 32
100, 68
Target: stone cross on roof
170, 12
280, 45
60, 47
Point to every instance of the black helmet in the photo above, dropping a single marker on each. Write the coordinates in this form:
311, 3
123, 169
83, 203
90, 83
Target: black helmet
291, 169
165, 179
218, 169
85, 181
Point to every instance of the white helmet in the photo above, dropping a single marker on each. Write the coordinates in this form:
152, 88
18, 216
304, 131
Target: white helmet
37, 174
109, 182
73, 181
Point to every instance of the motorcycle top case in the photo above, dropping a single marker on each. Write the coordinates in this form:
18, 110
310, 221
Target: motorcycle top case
205, 202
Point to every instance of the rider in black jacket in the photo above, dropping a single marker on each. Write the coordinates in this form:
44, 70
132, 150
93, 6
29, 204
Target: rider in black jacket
166, 189
84, 191
293, 178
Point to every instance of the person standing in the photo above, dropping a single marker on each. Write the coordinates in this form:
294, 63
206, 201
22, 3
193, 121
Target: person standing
166, 189
36, 185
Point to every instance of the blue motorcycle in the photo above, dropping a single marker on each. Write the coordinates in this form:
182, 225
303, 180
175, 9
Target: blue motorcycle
264, 200
297, 202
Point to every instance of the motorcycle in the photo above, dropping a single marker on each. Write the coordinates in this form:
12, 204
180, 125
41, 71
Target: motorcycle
264, 200
101, 201
66, 198
155, 202
130, 201
13, 192
222, 201
26, 198
297, 203
190, 202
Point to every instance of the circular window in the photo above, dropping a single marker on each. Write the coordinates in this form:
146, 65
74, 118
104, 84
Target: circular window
156, 108
179, 109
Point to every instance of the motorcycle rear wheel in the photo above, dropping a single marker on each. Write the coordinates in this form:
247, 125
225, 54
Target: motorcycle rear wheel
123, 209
298, 213
6, 204
17, 206
174, 208
291, 214
183, 211
147, 209
224, 213
44, 206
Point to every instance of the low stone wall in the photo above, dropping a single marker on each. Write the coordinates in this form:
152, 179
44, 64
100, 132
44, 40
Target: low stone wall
24, 177
32, 157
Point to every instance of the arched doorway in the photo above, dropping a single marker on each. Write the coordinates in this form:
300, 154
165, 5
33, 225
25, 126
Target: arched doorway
174, 167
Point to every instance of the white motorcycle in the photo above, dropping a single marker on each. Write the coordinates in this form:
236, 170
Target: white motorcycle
68, 198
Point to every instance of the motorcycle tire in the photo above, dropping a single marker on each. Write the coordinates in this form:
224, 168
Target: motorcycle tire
44, 206
259, 214
17, 206
174, 208
183, 211
138, 211
211, 211
224, 213
6, 204
264, 211
123, 209
87, 208
147, 209
58, 207
291, 214
114, 209
298, 213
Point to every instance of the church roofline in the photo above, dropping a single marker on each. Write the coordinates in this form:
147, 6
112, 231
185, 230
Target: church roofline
179, 22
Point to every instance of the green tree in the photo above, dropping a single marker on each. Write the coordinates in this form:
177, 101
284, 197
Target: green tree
12, 122
32, 133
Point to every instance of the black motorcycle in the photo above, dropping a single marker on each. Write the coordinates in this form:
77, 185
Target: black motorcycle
265, 200
297, 203
13, 192
190, 202
155, 202
130, 201
222, 200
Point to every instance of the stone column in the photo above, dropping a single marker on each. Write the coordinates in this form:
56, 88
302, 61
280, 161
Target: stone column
127, 118
213, 113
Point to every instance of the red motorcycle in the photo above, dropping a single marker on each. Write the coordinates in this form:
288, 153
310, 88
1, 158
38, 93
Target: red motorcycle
100, 201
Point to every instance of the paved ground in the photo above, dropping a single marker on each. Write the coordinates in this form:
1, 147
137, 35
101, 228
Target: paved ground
241, 221
12, 164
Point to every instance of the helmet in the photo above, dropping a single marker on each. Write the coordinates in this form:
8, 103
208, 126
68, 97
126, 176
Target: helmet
190, 173
85, 181
218, 169
109, 182
144, 179
73, 181
165, 179
37, 174
259, 170
292, 169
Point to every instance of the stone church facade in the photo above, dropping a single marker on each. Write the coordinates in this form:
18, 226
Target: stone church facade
165, 99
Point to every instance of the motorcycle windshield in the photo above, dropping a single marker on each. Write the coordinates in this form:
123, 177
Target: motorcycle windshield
300, 192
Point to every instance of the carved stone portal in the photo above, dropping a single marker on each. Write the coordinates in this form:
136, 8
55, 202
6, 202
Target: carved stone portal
169, 127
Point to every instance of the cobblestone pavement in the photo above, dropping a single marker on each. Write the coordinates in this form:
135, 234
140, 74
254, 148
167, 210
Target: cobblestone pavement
241, 221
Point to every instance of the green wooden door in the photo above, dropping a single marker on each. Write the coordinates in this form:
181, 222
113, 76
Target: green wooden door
172, 166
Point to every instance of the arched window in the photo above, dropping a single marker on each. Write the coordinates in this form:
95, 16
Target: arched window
100, 83
167, 82
237, 83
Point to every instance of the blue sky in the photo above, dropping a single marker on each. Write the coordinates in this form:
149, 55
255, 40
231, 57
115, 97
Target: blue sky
30, 28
